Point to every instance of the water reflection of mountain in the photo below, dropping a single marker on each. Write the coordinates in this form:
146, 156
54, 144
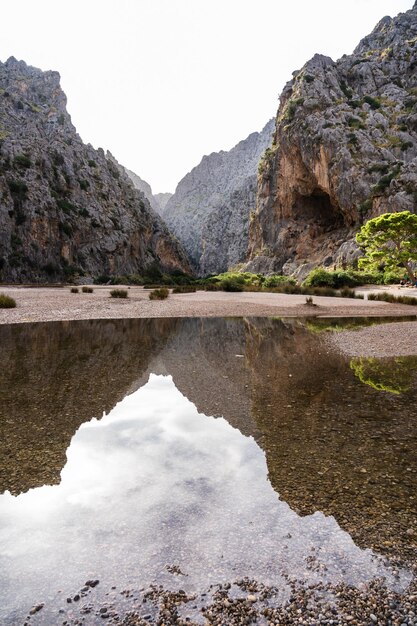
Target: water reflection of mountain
331, 443
334, 444
56, 376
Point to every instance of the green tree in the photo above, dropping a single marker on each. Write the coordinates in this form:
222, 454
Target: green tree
389, 240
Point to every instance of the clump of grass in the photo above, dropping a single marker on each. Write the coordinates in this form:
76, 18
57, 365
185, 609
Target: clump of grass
159, 294
309, 301
86, 289
184, 289
119, 293
347, 293
74, 290
389, 297
6, 302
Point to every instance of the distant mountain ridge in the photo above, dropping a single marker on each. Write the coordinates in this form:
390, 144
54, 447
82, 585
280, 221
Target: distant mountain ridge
157, 201
210, 210
66, 209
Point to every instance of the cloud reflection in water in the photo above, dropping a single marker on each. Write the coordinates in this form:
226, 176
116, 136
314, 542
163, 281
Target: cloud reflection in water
156, 483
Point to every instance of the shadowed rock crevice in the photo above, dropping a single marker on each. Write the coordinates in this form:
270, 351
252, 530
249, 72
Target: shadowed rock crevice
317, 207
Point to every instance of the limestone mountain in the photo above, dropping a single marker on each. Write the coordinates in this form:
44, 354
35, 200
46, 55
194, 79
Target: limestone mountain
210, 210
66, 208
162, 200
157, 201
344, 150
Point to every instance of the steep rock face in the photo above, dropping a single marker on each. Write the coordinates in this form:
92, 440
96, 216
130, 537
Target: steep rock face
65, 208
210, 210
344, 150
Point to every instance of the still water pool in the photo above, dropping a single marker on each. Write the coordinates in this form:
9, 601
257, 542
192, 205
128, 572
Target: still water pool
188, 453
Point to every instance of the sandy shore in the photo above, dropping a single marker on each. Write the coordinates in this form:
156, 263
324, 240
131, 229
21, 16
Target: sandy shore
381, 340
45, 304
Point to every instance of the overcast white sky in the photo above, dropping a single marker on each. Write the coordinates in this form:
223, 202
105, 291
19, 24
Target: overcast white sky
160, 83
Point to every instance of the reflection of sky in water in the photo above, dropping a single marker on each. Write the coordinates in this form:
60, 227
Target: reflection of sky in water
155, 483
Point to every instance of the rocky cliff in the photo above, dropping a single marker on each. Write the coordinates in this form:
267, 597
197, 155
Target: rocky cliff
210, 210
344, 150
65, 208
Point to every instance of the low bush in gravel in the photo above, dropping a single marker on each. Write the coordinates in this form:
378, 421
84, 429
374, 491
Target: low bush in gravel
159, 294
119, 293
86, 289
74, 290
6, 302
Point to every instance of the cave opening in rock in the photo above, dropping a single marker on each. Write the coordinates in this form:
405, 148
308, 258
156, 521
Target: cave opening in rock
318, 208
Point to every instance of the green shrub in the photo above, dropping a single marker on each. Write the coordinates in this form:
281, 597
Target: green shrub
276, 279
86, 289
392, 277
346, 90
355, 122
23, 161
66, 206
74, 290
18, 188
374, 103
241, 278
6, 302
135, 279
385, 181
184, 289
319, 277
211, 287
119, 293
103, 279
365, 206
228, 284
119, 280
292, 107
159, 294
405, 145
337, 279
